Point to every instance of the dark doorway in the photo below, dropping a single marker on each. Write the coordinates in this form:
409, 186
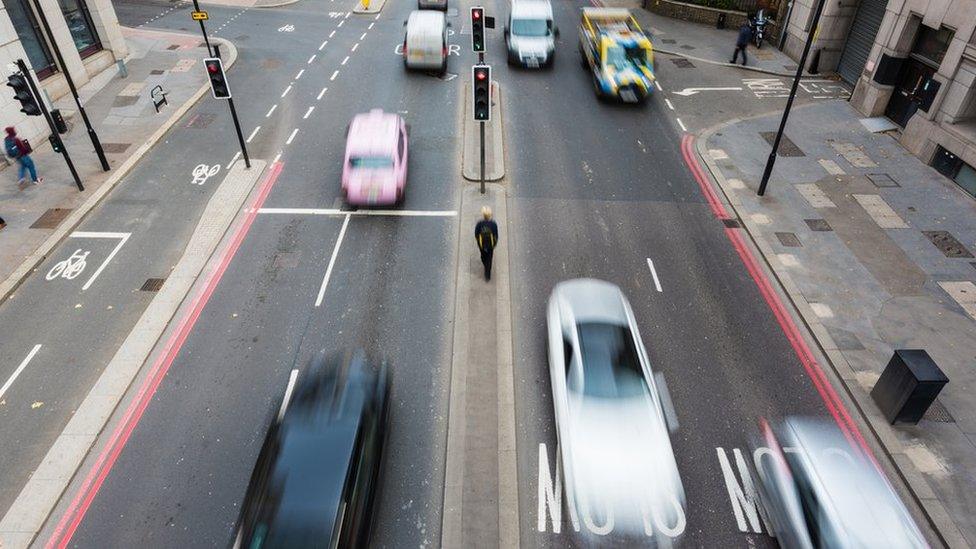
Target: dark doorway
908, 91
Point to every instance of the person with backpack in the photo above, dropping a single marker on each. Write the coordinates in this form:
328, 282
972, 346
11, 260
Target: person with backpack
486, 235
20, 151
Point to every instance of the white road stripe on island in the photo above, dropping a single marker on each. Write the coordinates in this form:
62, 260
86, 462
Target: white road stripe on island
657, 282
321, 93
344, 61
255, 132
309, 112
292, 136
292, 378
332, 260
288, 89
310, 59
336, 73
336, 211
19, 369
682, 124
271, 110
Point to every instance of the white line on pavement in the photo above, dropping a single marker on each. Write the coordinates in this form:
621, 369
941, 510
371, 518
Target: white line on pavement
255, 132
682, 124
348, 13
335, 211
277, 157
340, 23
309, 111
658, 84
331, 34
292, 136
345, 60
310, 59
300, 73
321, 93
336, 73
363, 36
233, 159
271, 110
657, 282
332, 260
322, 47
354, 46
370, 27
668, 103
292, 378
123, 237
288, 89
377, 18
19, 369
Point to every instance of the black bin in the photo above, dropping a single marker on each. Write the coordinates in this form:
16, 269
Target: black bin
908, 385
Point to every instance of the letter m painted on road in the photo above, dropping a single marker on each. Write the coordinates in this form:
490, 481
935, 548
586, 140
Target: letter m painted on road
743, 496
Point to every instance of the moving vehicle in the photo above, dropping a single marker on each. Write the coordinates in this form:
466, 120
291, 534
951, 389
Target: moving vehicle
317, 472
821, 492
530, 34
617, 52
432, 5
613, 413
374, 171
758, 24
425, 42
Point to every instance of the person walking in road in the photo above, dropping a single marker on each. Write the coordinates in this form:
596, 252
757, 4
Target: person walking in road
20, 151
486, 235
742, 42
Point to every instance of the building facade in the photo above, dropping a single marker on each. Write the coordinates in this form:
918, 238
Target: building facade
86, 32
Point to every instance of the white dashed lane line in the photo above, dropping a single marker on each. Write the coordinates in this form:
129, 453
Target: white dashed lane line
331, 34
321, 93
370, 27
271, 110
344, 61
354, 46
292, 136
682, 124
340, 23
362, 36
300, 73
322, 47
255, 132
668, 103
310, 59
288, 89
334, 75
309, 112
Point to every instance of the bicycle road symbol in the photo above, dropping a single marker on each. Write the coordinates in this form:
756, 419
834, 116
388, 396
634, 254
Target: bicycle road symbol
287, 28
69, 268
204, 172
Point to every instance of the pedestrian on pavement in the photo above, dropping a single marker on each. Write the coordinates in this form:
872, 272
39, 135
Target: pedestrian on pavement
486, 235
20, 151
2, 223
741, 42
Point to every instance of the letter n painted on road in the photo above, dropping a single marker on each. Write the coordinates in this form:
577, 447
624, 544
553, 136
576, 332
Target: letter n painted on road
743, 497
550, 492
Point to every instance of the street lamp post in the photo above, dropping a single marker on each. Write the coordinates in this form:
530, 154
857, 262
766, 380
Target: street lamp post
789, 102
71, 86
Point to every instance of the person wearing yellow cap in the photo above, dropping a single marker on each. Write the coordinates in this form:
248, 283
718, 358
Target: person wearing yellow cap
486, 235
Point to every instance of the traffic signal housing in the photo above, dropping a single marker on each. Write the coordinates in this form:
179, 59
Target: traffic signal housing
478, 29
22, 93
481, 83
219, 86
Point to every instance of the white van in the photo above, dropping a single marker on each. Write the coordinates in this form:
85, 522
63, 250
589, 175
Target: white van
425, 43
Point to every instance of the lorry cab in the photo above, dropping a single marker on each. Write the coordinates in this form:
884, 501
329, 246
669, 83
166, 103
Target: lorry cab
425, 42
530, 34
613, 46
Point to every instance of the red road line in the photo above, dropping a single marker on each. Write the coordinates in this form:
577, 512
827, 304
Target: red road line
828, 395
72, 518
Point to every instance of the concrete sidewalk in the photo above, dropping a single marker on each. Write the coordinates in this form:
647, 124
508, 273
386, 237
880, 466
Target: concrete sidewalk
122, 113
876, 251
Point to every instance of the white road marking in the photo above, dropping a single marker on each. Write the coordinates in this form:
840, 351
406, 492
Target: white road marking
377, 18
332, 260
336, 73
292, 378
344, 60
255, 132
300, 73
310, 59
370, 27
331, 34
292, 136
682, 124
658, 84
692, 91
288, 89
354, 46
233, 159
322, 47
362, 36
321, 93
657, 282
348, 13
336, 211
19, 369
271, 110
123, 237
309, 112
277, 157
668, 103
340, 23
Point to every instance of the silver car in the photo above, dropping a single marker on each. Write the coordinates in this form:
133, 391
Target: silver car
821, 492
432, 5
613, 415
530, 34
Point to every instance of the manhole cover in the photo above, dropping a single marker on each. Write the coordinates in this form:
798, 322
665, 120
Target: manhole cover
51, 218
819, 225
786, 145
687, 47
668, 40
789, 240
682, 63
115, 148
156, 72
937, 412
125, 100
731, 223
201, 120
152, 285
947, 244
882, 180
172, 47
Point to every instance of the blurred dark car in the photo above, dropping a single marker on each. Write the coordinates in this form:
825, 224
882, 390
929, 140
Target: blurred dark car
316, 475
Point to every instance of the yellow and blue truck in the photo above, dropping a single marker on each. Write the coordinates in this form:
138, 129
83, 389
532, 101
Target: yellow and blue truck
619, 54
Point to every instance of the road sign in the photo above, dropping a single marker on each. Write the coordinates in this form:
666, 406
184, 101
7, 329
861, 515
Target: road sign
199, 15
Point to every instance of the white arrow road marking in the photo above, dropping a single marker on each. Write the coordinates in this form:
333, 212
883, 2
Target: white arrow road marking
692, 91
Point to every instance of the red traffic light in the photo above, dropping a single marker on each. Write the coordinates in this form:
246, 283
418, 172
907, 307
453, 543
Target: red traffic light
480, 75
213, 68
476, 14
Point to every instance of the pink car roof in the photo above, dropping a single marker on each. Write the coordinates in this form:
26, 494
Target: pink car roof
374, 132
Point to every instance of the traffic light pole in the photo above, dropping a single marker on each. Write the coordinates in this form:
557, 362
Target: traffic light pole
196, 7
71, 85
240, 135
481, 60
55, 138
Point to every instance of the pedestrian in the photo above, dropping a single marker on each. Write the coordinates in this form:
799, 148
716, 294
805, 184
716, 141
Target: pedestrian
20, 151
486, 235
2, 223
741, 42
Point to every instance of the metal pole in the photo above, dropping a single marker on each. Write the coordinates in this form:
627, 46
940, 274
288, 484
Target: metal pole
50, 123
789, 102
482, 126
71, 86
240, 136
196, 7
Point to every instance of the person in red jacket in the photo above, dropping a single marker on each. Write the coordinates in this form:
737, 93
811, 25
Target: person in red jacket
19, 150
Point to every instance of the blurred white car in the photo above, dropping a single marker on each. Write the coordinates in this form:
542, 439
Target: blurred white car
613, 415
821, 492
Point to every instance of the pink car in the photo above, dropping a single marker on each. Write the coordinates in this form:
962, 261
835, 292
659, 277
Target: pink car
375, 168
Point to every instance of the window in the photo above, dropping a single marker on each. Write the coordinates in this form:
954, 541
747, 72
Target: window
608, 356
400, 143
931, 45
30, 36
80, 24
955, 169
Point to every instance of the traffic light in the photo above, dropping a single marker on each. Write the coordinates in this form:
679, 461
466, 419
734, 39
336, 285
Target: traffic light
478, 29
218, 80
481, 82
23, 94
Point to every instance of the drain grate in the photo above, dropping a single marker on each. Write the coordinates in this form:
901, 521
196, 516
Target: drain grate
201, 120
947, 244
152, 284
125, 100
51, 218
668, 41
786, 145
156, 72
687, 47
819, 225
115, 148
937, 412
731, 223
172, 47
882, 180
682, 63
789, 240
